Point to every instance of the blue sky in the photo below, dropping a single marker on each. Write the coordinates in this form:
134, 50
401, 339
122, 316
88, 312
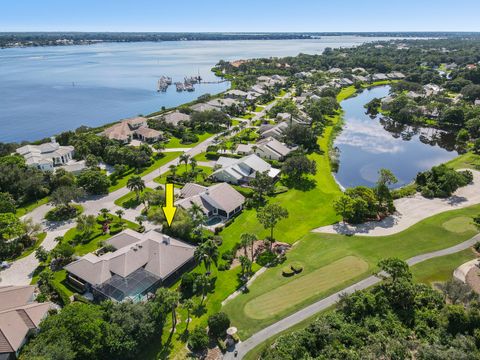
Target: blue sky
240, 15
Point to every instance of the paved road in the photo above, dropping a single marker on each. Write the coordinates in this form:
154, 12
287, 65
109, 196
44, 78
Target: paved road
309, 311
20, 272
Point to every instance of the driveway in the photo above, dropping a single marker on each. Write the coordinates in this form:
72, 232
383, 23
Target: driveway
21, 271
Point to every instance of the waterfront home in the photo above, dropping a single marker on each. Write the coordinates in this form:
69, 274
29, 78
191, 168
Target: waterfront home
379, 77
201, 107
236, 94
133, 128
175, 118
221, 104
396, 75
360, 78
218, 202
139, 265
239, 171
20, 317
269, 148
47, 156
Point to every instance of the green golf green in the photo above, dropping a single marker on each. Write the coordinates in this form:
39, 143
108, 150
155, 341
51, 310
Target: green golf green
318, 281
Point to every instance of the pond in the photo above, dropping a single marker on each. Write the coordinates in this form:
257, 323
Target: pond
368, 144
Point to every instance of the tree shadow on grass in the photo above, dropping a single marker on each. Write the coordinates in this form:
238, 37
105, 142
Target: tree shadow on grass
302, 184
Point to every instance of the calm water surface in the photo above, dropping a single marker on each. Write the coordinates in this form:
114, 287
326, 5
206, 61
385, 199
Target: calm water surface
47, 90
366, 145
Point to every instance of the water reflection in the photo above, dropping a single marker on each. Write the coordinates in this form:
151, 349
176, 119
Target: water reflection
368, 144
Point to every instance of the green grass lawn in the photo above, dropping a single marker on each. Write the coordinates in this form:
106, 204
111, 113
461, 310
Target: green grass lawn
440, 269
129, 201
465, 161
293, 292
180, 170
321, 251
175, 142
259, 108
169, 156
32, 206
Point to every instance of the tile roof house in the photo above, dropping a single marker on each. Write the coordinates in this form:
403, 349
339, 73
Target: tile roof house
236, 94
46, 156
129, 129
379, 77
20, 316
175, 117
238, 171
201, 107
275, 131
139, 265
223, 103
217, 200
269, 148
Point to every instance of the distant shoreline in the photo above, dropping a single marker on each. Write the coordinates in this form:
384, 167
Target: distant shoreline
41, 39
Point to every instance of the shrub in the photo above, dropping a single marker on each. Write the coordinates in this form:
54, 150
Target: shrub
63, 213
198, 339
266, 258
477, 246
287, 271
218, 324
63, 297
222, 345
296, 267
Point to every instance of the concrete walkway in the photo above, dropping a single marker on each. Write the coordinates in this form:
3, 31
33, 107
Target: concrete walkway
411, 210
263, 335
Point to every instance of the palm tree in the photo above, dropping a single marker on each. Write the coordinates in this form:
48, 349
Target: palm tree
193, 164
202, 285
135, 183
120, 213
184, 158
246, 264
173, 170
104, 213
208, 253
248, 239
85, 225
188, 305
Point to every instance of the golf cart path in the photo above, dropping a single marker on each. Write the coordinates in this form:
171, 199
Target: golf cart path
309, 311
411, 210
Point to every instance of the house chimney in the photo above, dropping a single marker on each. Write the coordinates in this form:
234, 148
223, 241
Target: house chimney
53, 140
166, 239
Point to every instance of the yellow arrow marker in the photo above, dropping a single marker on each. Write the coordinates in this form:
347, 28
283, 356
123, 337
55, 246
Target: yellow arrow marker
169, 210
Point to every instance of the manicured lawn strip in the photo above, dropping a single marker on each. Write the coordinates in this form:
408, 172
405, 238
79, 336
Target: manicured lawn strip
32, 206
180, 170
465, 161
318, 250
303, 287
259, 108
30, 250
169, 156
440, 269
97, 236
175, 142
128, 201
201, 157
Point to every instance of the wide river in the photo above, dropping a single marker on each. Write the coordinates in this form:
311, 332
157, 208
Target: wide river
367, 145
47, 90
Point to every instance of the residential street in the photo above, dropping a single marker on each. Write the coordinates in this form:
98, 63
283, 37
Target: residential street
20, 272
261, 336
